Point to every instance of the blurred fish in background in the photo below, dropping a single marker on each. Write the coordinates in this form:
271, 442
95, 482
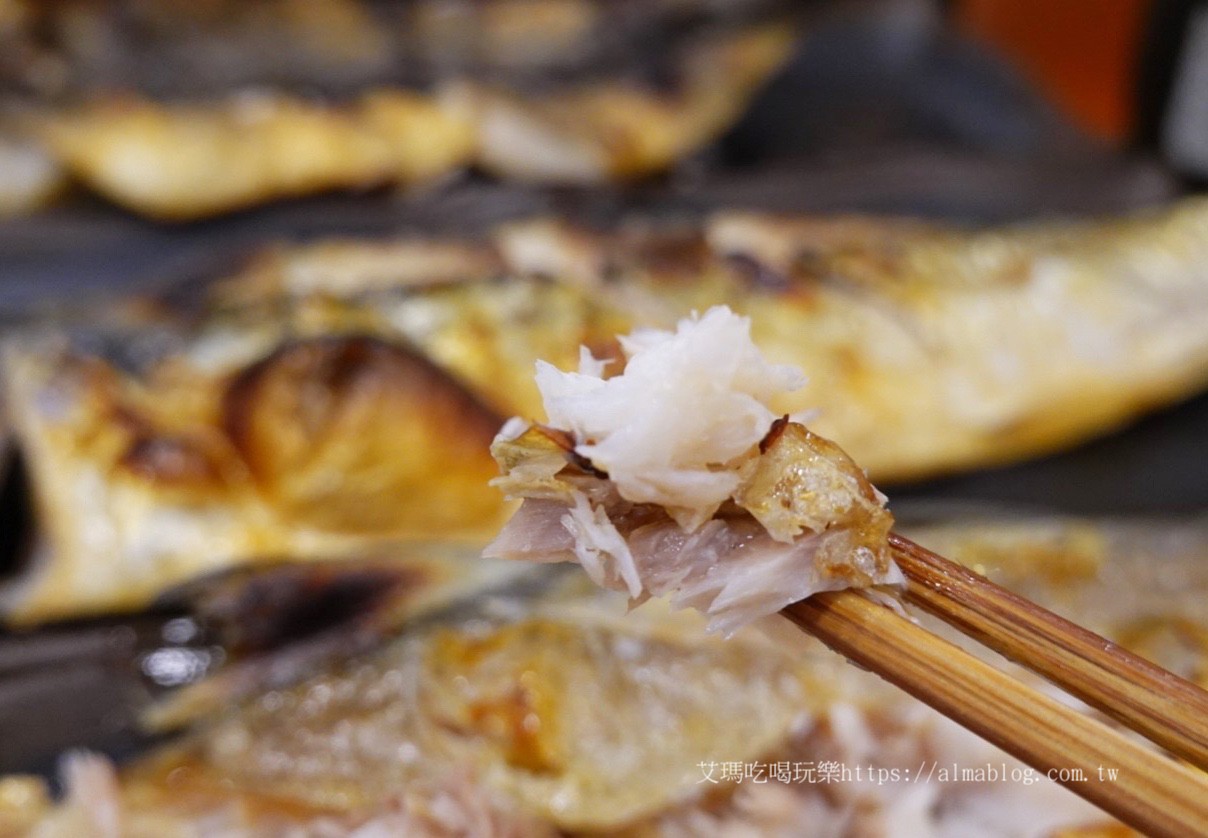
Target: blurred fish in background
255, 256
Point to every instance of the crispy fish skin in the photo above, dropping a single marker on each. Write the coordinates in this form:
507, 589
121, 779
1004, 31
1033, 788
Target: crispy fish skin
269, 431
455, 302
513, 702
673, 478
997, 345
532, 706
564, 713
323, 444
346, 406
928, 349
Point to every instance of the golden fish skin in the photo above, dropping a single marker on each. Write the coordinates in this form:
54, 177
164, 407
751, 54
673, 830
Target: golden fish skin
259, 431
515, 702
928, 350
561, 712
325, 443
803, 518
181, 161
188, 126
362, 393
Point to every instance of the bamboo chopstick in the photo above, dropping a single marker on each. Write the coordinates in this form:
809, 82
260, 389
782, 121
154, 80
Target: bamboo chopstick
1159, 705
1150, 792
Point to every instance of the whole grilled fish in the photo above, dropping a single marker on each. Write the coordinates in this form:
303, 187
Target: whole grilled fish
548, 710
185, 110
342, 393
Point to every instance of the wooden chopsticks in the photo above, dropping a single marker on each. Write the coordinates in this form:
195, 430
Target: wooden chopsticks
1150, 792
1163, 707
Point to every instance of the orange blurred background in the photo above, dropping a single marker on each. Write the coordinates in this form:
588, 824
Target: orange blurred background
1082, 54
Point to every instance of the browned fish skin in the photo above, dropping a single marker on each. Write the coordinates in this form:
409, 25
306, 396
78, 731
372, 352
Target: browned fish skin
180, 161
989, 346
930, 348
803, 518
328, 442
514, 703
503, 707
347, 406
215, 107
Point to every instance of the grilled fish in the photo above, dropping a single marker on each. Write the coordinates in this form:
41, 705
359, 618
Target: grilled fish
184, 110
673, 478
333, 394
928, 348
558, 713
254, 437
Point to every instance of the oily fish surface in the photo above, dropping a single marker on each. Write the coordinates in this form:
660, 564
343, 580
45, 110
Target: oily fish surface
568, 711
564, 712
458, 303
143, 480
270, 429
190, 160
936, 351
928, 348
